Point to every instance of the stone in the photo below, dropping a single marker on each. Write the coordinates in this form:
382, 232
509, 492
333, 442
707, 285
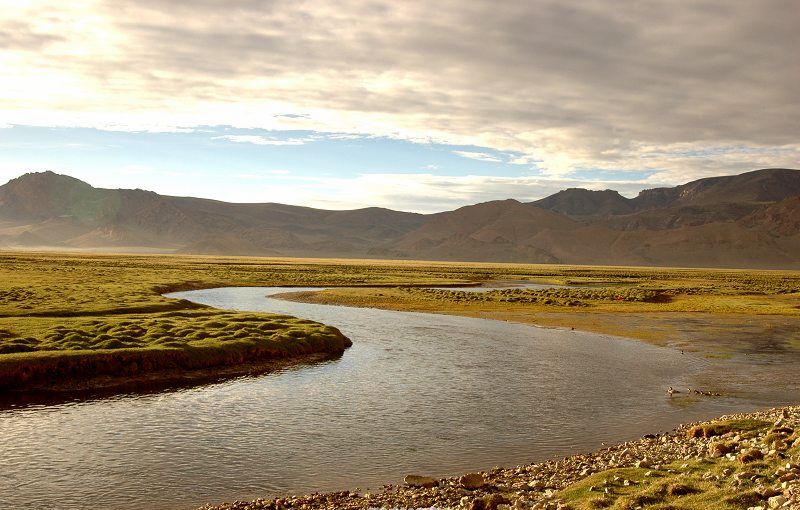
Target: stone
472, 481
490, 502
751, 456
768, 492
776, 501
716, 450
420, 481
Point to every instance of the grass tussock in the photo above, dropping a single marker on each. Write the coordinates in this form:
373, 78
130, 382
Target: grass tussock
710, 483
65, 318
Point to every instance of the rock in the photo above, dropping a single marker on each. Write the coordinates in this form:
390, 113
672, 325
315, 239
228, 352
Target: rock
420, 481
490, 502
776, 501
751, 456
472, 481
716, 450
768, 492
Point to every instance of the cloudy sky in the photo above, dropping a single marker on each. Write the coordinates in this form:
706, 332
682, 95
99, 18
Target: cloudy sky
412, 105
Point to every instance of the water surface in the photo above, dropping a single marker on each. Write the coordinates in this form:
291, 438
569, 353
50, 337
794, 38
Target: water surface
422, 393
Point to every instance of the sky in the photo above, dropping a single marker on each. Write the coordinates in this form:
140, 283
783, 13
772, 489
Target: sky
416, 106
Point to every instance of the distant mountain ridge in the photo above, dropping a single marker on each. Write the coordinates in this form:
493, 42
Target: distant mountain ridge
746, 220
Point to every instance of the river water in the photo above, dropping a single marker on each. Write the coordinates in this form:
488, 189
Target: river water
417, 393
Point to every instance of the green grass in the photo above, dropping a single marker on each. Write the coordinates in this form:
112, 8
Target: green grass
198, 328
67, 303
709, 483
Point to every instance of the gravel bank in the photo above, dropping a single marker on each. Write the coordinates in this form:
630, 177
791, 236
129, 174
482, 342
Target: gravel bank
759, 466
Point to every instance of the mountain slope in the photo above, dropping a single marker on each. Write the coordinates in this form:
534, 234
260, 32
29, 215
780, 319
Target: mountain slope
759, 186
581, 203
747, 220
90, 217
499, 230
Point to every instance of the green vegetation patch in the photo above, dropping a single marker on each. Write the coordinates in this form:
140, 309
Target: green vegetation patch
166, 329
719, 428
691, 485
555, 296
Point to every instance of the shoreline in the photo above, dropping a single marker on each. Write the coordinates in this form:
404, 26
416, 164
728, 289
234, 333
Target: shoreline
744, 460
661, 328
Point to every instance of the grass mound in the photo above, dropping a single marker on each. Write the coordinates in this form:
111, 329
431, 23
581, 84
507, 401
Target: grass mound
49, 351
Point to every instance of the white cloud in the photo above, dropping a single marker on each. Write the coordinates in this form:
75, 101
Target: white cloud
262, 140
480, 156
627, 86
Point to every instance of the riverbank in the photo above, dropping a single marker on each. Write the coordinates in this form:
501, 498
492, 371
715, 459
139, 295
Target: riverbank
124, 350
138, 369
76, 322
741, 461
739, 316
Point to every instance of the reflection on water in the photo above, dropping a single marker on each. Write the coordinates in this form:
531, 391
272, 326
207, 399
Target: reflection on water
419, 393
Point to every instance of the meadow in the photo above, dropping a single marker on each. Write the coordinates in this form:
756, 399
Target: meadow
696, 309
77, 316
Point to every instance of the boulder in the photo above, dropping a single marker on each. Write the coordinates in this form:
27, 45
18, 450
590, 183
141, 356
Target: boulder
776, 501
750, 456
472, 481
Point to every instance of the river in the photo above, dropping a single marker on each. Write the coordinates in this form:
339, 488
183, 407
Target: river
417, 393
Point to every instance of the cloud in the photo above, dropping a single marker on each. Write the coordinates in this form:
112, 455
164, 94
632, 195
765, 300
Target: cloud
480, 156
568, 86
262, 140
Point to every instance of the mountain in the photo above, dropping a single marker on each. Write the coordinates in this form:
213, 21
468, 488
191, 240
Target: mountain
581, 203
500, 230
68, 213
758, 187
746, 220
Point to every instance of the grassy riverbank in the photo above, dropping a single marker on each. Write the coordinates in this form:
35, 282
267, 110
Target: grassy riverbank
694, 309
75, 322
732, 463
66, 317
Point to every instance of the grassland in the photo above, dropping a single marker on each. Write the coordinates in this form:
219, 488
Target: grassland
686, 308
68, 316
